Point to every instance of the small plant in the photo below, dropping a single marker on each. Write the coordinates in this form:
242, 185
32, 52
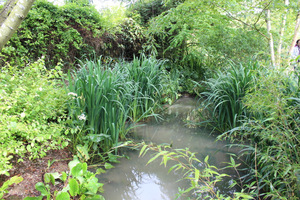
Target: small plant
6, 184
79, 182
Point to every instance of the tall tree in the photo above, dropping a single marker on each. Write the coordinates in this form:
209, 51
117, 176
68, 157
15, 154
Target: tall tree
11, 16
281, 33
271, 43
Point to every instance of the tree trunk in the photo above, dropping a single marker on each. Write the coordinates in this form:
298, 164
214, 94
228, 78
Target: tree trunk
12, 20
281, 33
271, 45
8, 6
297, 26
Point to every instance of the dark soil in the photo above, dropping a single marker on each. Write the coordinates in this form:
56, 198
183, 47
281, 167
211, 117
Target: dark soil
33, 171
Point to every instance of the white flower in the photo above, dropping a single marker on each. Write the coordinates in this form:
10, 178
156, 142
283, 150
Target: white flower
40, 89
22, 114
82, 117
72, 94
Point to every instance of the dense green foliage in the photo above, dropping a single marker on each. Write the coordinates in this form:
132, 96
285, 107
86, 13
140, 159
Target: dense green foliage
32, 112
259, 111
68, 33
107, 99
224, 94
255, 105
270, 137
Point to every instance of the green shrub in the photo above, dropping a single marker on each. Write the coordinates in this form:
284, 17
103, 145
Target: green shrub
43, 33
149, 9
270, 138
32, 112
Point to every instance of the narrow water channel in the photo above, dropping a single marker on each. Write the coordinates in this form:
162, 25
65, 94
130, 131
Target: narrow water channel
132, 179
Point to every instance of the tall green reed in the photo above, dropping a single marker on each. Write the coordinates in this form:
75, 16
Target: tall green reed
108, 99
100, 99
223, 98
145, 76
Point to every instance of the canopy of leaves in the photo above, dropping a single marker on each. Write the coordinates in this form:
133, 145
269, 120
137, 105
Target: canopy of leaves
67, 33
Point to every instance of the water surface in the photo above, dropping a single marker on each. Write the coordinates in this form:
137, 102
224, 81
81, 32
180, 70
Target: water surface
133, 179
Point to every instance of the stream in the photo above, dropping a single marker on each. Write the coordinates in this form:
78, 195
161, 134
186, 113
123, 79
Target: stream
133, 179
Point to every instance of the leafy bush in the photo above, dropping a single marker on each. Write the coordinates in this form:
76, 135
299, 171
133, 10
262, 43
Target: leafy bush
149, 9
43, 33
70, 32
270, 138
199, 39
32, 112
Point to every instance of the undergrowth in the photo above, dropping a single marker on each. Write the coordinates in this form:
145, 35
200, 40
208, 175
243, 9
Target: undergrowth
32, 113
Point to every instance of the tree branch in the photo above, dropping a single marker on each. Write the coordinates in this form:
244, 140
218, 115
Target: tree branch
253, 26
13, 20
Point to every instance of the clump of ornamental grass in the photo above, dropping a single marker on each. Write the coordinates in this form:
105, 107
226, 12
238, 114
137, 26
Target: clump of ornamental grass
109, 99
223, 98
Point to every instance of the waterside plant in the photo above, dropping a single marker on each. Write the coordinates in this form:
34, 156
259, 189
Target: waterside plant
269, 139
107, 100
225, 91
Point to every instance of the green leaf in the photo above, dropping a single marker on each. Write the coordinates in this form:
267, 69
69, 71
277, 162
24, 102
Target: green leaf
47, 178
143, 149
73, 163
83, 151
34, 198
74, 187
52, 179
232, 161
63, 196
100, 171
108, 166
41, 188
13, 180
93, 185
96, 197
156, 156
77, 170
197, 175
84, 167
64, 176
206, 159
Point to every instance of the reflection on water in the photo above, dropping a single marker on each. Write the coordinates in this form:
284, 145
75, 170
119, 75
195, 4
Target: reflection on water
132, 179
